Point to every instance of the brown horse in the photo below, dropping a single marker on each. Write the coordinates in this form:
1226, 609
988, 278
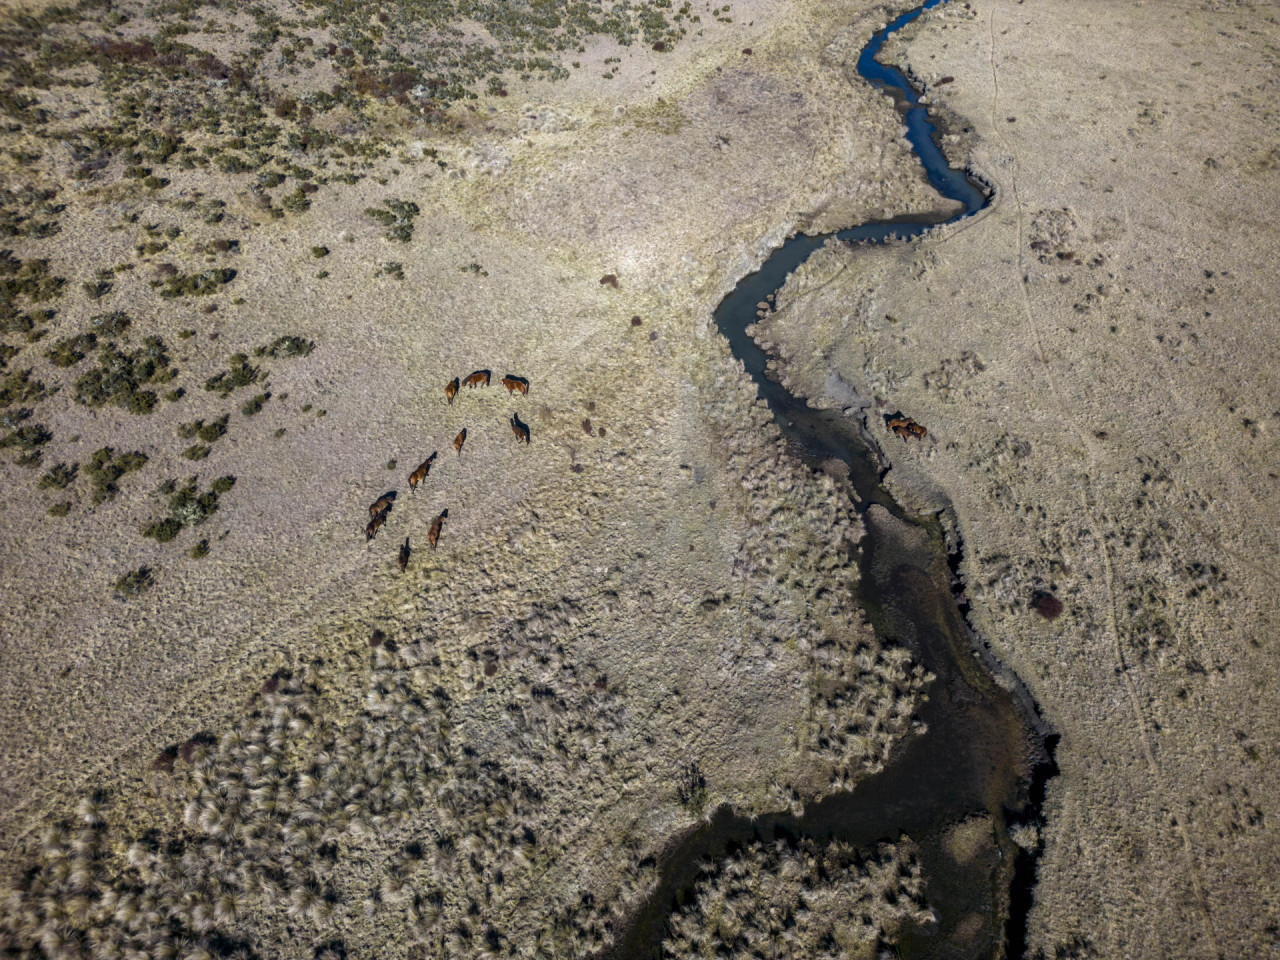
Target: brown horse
514, 383
420, 474
404, 555
459, 440
382, 504
451, 389
375, 524
521, 430
478, 379
906, 428
433, 535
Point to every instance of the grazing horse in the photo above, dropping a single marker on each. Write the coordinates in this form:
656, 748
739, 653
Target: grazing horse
433, 535
404, 555
451, 389
906, 428
420, 474
514, 383
382, 504
478, 379
376, 523
521, 430
459, 440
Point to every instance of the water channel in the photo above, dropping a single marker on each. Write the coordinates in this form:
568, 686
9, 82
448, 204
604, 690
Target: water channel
986, 754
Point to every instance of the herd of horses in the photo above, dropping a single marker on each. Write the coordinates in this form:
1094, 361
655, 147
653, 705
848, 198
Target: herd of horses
380, 509
906, 428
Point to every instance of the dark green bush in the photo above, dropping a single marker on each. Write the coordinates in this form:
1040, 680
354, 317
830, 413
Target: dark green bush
119, 376
69, 351
59, 477
197, 284
286, 347
240, 374
133, 583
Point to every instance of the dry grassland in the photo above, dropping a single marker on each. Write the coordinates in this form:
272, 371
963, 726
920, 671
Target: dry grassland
202, 752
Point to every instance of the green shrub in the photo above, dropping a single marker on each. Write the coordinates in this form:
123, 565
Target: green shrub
133, 583
197, 451
119, 376
397, 218
240, 374
69, 351
18, 387
200, 550
286, 347
187, 507
60, 509
29, 278
29, 437
197, 284
106, 474
114, 324
254, 405
59, 477
319, 252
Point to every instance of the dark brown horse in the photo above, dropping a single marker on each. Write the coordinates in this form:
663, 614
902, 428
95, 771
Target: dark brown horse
433, 535
451, 389
459, 440
478, 379
420, 474
375, 524
404, 555
521, 430
382, 504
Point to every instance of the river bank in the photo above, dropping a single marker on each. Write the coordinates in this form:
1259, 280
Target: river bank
1093, 369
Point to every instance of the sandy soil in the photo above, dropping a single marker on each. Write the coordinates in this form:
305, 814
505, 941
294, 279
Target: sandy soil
1094, 360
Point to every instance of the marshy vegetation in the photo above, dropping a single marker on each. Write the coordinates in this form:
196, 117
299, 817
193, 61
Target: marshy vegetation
800, 900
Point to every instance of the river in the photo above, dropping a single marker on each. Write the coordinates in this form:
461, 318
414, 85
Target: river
986, 752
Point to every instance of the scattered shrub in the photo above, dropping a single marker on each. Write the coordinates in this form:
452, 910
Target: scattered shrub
187, 507
106, 474
134, 583
286, 347
69, 351
119, 376
240, 374
397, 218
59, 477
197, 284
114, 324
18, 387
60, 509
255, 404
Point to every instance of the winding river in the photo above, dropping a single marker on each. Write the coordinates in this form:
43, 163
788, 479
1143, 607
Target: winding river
986, 753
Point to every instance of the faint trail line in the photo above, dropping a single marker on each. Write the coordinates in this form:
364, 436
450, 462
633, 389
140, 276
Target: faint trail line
1091, 512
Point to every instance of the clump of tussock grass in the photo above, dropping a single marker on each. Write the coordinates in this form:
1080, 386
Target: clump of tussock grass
796, 899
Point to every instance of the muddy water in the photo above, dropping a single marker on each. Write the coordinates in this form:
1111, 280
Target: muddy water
985, 756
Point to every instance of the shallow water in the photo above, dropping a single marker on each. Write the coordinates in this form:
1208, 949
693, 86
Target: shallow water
985, 753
